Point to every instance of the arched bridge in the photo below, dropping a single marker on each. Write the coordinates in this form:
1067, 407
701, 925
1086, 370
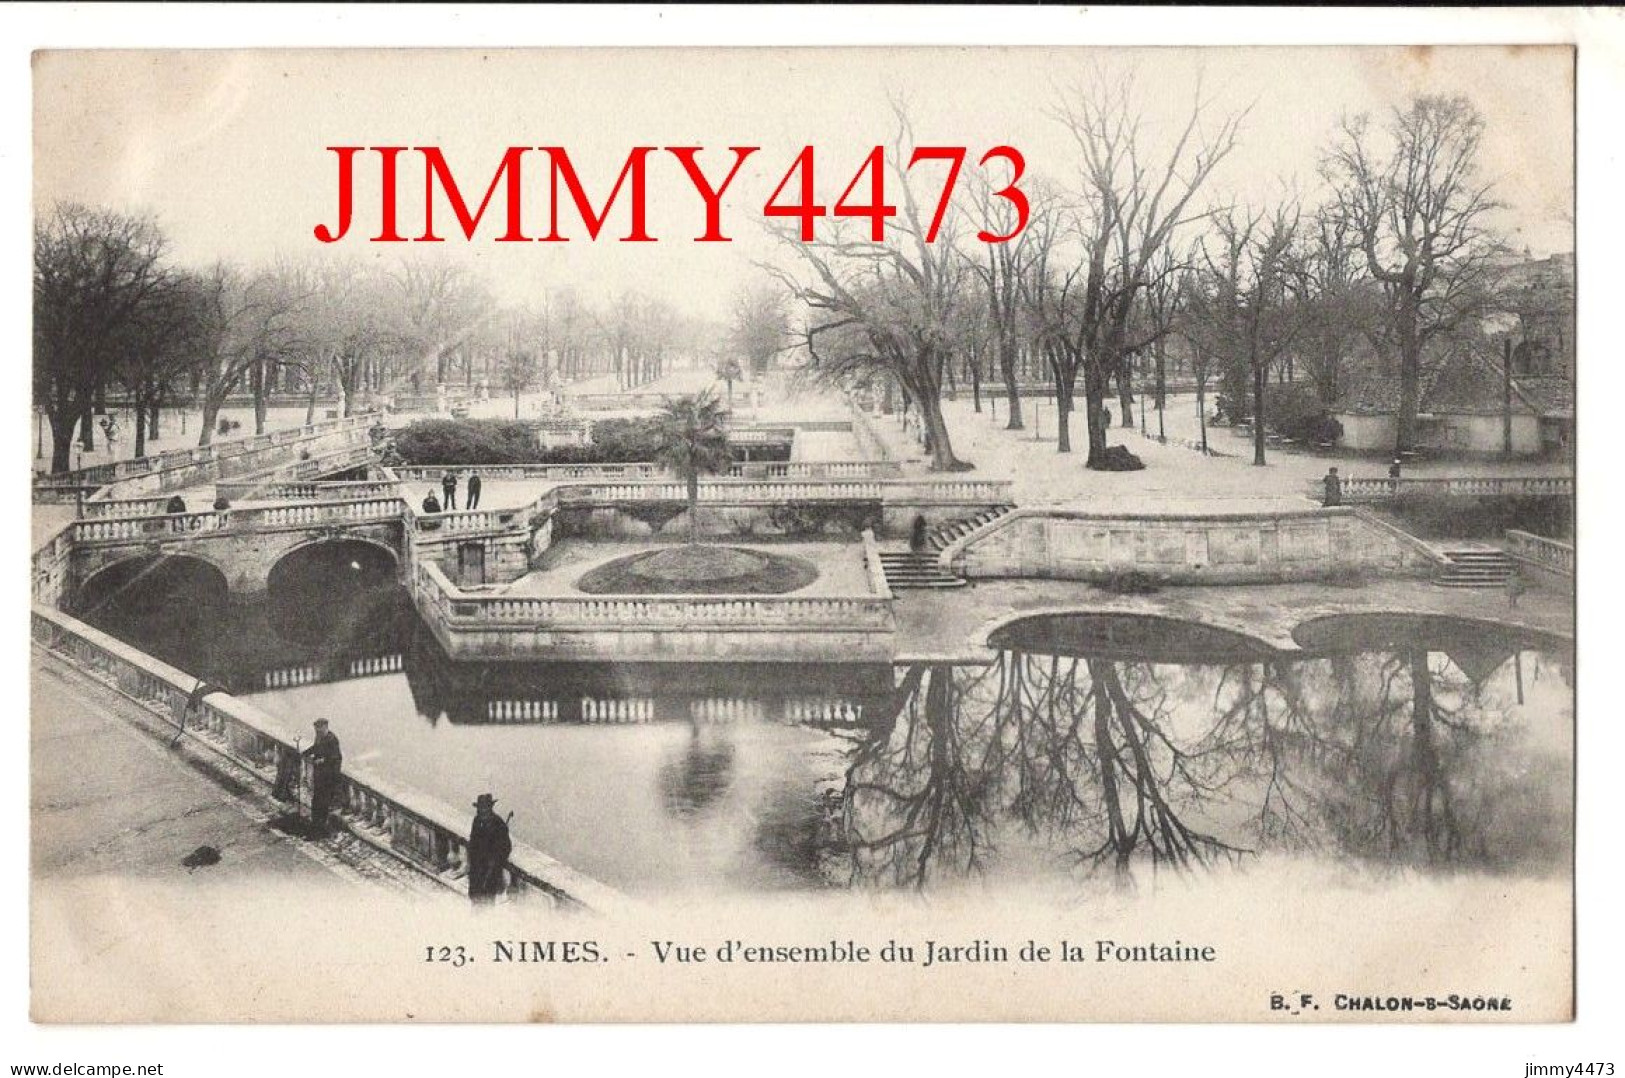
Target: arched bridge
243, 544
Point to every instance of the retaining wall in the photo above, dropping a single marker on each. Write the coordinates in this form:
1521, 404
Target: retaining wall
1312, 544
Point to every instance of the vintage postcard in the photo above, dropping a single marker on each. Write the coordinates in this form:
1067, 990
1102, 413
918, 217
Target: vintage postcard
762, 534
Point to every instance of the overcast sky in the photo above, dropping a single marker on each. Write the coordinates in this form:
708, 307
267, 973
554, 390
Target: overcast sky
227, 149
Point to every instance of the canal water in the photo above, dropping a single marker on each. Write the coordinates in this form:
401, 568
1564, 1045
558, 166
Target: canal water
1089, 745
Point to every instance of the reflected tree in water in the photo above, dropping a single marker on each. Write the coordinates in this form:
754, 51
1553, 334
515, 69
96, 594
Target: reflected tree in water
699, 774
1395, 755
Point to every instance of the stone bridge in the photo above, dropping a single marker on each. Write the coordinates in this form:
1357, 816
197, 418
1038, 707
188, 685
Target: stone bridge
244, 545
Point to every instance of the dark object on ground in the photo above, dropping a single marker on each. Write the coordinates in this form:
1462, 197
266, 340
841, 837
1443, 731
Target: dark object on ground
1128, 582
1117, 458
221, 504
176, 504
201, 857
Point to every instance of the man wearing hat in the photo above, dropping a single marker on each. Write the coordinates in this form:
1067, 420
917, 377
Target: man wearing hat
326, 765
488, 850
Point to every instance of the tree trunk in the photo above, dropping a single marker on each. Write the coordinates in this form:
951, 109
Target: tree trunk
256, 384
1094, 397
211, 417
1007, 367
976, 383
152, 420
1125, 390
87, 429
693, 478
939, 444
1162, 391
1410, 377
1063, 415
1201, 409
1259, 378
310, 404
140, 428
61, 439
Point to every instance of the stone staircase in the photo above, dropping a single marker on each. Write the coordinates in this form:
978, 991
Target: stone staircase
938, 538
1478, 567
907, 569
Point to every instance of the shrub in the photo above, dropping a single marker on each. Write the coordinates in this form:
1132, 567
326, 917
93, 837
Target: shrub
507, 441
1117, 458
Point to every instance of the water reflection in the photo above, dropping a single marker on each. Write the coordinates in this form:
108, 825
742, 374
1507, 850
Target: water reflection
1090, 744
1119, 744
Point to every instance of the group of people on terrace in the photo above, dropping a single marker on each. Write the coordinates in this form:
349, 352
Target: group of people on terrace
489, 843
448, 486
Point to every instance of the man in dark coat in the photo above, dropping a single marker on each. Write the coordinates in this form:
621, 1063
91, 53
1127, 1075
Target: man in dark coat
1334, 488
473, 492
488, 850
448, 484
326, 765
431, 504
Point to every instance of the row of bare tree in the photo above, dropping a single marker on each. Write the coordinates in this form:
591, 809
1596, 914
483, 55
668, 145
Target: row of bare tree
1137, 255
116, 317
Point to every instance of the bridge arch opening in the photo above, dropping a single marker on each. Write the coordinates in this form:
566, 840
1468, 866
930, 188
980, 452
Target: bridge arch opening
1127, 636
331, 590
159, 596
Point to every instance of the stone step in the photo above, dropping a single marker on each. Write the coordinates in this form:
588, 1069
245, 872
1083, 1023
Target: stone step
910, 570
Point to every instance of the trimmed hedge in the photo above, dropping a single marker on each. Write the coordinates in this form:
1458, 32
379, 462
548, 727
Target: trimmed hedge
507, 441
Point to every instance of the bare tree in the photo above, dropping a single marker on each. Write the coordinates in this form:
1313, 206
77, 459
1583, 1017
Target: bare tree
94, 272
1132, 208
1002, 268
1244, 299
898, 295
1418, 215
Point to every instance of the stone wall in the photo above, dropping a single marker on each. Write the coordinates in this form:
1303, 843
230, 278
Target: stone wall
1312, 544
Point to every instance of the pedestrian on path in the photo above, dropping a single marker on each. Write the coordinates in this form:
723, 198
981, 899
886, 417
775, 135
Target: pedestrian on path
1334, 489
473, 491
1515, 589
488, 848
326, 768
448, 484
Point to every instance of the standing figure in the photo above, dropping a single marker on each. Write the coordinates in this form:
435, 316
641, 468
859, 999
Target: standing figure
448, 484
1515, 588
474, 491
1334, 489
917, 535
488, 850
326, 765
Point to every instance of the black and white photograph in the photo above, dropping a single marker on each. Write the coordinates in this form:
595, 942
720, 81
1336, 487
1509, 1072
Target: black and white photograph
963, 534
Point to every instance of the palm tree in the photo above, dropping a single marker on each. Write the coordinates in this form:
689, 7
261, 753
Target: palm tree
693, 434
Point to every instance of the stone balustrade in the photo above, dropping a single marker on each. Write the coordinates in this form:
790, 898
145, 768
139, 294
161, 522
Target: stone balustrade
419, 830
872, 564
304, 514
775, 491
461, 610
102, 474
817, 469
1356, 490
1553, 554
312, 490
110, 508
435, 472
